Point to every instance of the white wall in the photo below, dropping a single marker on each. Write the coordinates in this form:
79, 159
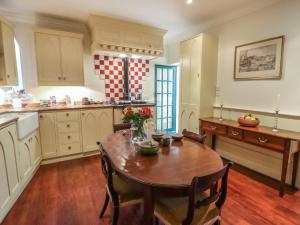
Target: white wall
94, 87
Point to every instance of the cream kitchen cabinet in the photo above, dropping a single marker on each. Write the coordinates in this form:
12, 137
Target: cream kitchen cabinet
48, 135
96, 125
8, 66
59, 58
29, 155
9, 177
198, 80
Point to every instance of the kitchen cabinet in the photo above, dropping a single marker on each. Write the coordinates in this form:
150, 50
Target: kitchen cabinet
8, 65
59, 58
198, 63
9, 176
29, 155
48, 135
96, 125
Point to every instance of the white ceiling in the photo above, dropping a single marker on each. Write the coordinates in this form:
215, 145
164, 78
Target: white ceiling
172, 15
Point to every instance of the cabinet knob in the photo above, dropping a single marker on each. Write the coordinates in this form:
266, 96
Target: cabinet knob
64, 78
67, 114
69, 137
235, 133
69, 147
8, 76
68, 125
263, 140
41, 116
59, 78
83, 114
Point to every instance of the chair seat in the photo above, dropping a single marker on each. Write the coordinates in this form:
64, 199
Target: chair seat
174, 211
126, 192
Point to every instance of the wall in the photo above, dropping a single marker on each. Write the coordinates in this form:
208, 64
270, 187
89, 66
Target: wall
94, 86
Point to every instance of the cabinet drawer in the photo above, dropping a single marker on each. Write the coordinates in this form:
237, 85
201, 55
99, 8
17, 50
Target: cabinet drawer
266, 141
214, 128
68, 149
68, 127
66, 138
235, 133
67, 116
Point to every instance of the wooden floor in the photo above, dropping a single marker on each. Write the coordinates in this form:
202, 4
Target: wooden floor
71, 193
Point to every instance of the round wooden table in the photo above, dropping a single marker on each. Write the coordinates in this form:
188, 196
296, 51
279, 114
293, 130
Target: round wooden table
170, 171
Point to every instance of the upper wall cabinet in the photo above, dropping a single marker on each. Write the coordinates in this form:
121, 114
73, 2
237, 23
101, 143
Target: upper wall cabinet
8, 66
59, 57
110, 34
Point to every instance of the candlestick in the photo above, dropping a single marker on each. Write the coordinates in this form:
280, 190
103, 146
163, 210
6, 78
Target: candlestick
275, 128
277, 107
221, 112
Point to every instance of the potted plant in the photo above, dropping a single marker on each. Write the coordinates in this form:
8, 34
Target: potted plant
137, 117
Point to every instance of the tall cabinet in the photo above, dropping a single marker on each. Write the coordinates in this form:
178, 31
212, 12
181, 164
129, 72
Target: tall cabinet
198, 62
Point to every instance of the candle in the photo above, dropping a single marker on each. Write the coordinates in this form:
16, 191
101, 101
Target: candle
277, 107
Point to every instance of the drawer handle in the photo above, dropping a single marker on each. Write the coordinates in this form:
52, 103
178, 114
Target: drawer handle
69, 147
8, 76
41, 116
263, 140
213, 127
67, 114
59, 78
235, 133
69, 137
68, 125
83, 114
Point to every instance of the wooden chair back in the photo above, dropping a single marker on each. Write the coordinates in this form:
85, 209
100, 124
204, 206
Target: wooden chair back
202, 184
194, 136
107, 171
121, 126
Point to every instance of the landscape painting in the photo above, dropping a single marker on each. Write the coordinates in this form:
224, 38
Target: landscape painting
259, 60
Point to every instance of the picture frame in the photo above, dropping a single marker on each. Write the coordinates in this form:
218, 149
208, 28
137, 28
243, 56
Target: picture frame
260, 60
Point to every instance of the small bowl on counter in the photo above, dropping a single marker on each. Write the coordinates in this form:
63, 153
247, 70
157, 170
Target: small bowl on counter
177, 136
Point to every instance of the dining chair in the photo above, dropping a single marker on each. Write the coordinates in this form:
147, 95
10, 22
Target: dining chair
202, 206
194, 136
121, 126
118, 191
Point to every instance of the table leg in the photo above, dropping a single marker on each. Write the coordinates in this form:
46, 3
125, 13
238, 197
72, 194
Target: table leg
295, 168
148, 206
213, 141
285, 162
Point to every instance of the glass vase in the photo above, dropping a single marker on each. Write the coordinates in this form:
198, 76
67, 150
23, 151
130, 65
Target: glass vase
137, 132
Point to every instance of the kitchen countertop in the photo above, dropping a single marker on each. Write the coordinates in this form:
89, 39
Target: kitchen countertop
92, 106
7, 119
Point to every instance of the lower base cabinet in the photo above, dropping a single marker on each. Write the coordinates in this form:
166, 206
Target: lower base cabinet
96, 126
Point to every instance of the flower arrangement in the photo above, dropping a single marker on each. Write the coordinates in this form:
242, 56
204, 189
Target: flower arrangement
137, 116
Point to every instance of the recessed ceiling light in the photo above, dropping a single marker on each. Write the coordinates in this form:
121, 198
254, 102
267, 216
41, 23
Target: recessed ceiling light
189, 1
122, 55
135, 56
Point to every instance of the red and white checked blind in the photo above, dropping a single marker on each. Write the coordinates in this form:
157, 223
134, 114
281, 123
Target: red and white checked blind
111, 70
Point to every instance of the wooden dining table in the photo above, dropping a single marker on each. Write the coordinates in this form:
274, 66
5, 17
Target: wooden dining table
170, 172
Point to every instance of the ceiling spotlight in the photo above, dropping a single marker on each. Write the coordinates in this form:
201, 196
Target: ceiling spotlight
189, 1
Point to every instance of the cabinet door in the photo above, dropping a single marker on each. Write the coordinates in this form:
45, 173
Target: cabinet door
183, 117
35, 149
48, 58
193, 119
4, 186
90, 130
105, 121
9, 55
25, 158
48, 135
9, 148
72, 60
185, 66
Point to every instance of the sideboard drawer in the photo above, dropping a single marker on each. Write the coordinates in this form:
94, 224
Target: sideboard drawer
67, 116
214, 128
235, 133
275, 143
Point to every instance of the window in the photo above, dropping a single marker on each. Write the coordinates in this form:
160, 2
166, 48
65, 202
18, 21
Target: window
165, 97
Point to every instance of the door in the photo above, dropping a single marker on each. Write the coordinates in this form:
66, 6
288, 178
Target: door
9, 55
48, 135
165, 95
48, 57
72, 60
90, 134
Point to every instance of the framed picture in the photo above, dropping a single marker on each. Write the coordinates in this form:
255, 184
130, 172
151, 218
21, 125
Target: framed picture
261, 60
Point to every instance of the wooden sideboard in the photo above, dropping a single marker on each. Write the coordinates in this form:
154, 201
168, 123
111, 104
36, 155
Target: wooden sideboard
261, 136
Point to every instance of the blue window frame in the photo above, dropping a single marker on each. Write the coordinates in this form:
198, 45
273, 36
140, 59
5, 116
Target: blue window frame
165, 97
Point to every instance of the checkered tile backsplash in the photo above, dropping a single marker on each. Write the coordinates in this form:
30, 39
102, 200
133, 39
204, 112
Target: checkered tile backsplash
111, 70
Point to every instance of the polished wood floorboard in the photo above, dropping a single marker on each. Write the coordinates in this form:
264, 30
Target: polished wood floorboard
71, 193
